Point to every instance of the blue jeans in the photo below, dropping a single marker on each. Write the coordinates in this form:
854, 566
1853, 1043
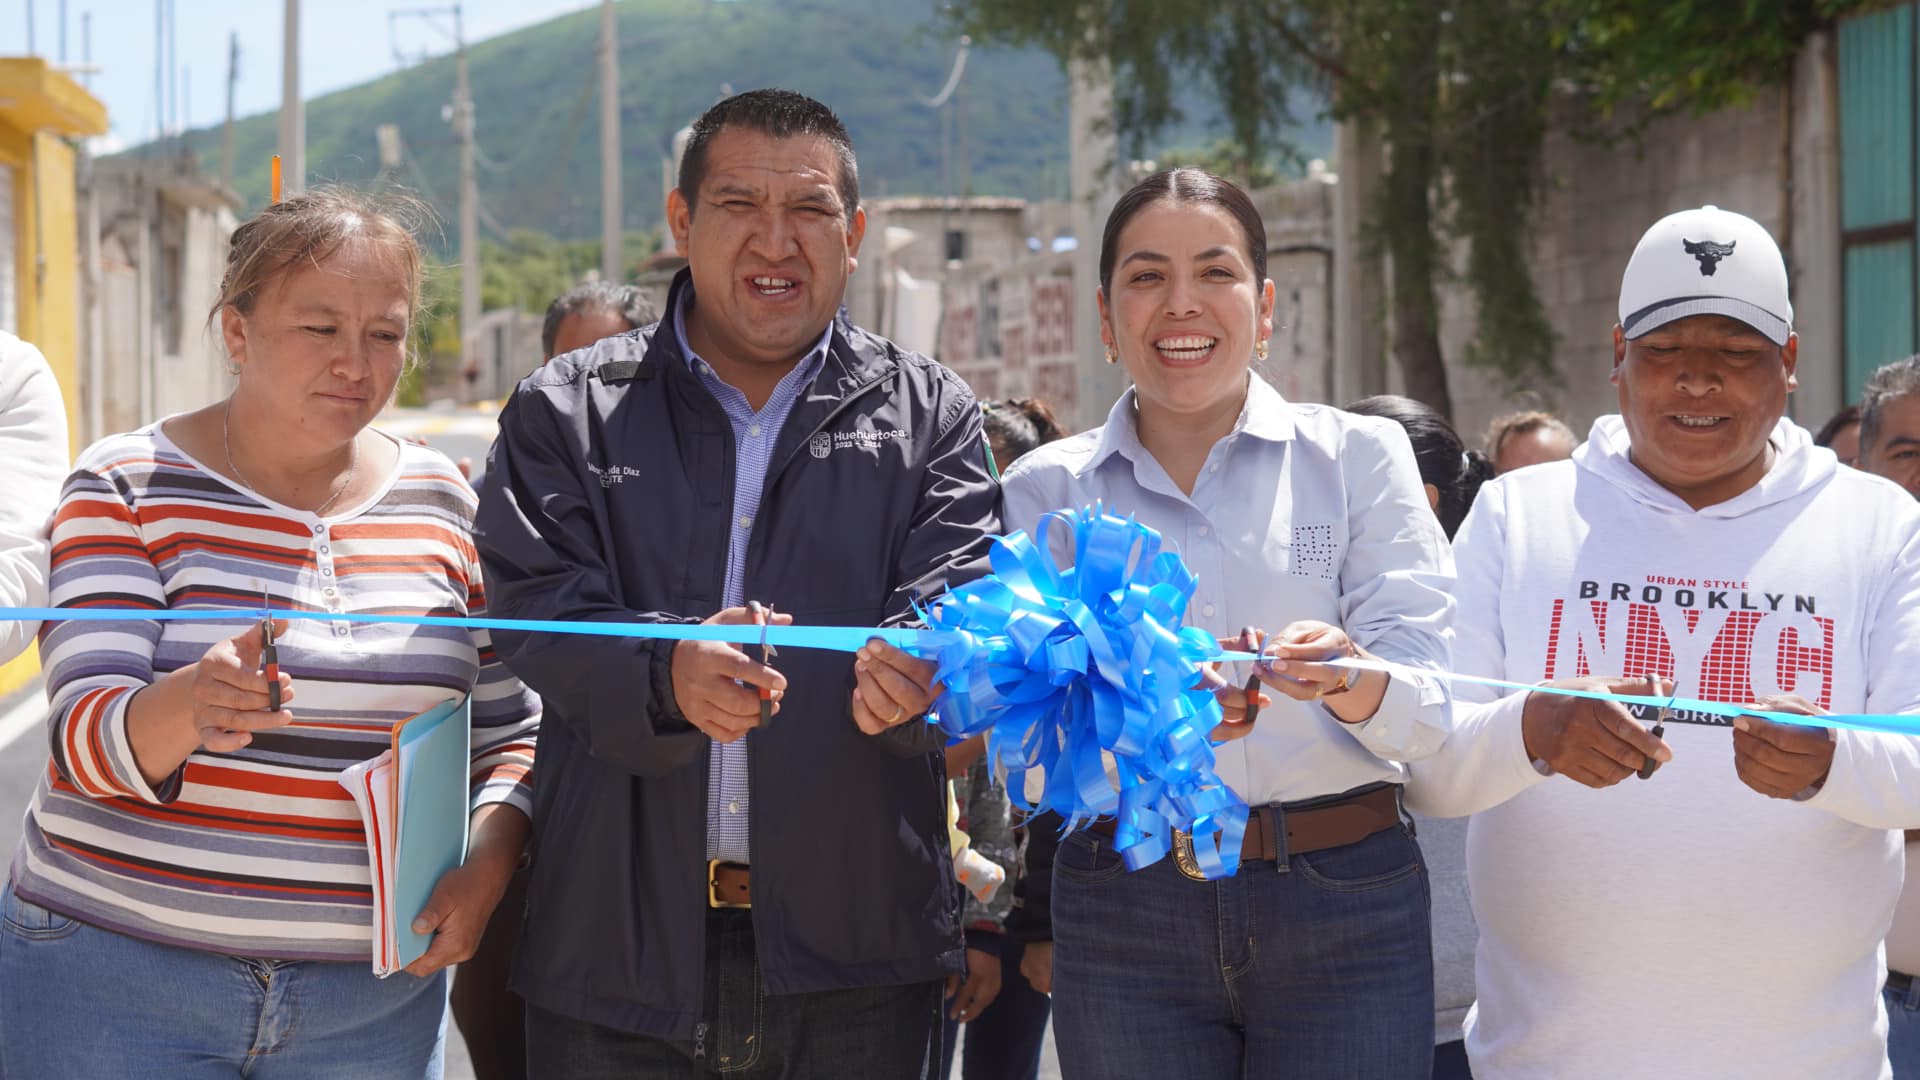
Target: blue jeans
1321, 966
888, 1032
76, 1000
1903, 1029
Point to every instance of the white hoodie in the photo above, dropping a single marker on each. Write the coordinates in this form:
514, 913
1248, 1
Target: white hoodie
1683, 926
33, 453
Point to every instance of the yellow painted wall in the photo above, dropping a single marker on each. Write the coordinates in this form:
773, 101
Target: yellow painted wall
48, 269
38, 110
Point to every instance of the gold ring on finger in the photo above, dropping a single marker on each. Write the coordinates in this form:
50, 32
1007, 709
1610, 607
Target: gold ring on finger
899, 714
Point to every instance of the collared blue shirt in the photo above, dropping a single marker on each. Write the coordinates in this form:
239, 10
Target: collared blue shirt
754, 433
1300, 512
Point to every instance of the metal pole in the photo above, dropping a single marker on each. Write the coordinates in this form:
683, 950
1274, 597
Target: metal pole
63, 33
226, 131
29, 27
159, 70
173, 74
86, 45
469, 208
610, 216
293, 111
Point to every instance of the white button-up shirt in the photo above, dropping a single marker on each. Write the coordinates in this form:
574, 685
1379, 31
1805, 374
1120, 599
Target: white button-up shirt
1301, 512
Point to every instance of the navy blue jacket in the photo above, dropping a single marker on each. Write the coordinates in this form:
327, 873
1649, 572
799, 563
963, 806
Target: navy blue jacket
607, 497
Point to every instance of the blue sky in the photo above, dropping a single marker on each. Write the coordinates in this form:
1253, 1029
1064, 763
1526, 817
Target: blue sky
344, 42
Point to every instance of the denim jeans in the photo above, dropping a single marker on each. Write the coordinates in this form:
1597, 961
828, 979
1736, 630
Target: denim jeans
1318, 967
1903, 1030
885, 1032
1004, 1042
77, 1000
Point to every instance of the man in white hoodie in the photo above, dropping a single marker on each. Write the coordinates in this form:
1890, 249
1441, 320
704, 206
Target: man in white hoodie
33, 453
1722, 917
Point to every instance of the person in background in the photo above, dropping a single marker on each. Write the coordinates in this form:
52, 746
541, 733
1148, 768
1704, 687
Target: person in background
591, 311
1004, 1042
1452, 475
1315, 958
492, 1018
190, 895
1707, 899
1841, 434
1517, 440
1887, 430
33, 445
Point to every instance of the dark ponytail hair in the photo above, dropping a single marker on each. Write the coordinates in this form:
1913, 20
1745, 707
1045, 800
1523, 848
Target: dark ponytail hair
1017, 425
1445, 462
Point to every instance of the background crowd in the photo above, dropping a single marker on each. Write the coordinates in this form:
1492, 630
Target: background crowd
728, 861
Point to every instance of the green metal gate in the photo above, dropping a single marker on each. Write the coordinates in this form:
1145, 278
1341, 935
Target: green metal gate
1879, 187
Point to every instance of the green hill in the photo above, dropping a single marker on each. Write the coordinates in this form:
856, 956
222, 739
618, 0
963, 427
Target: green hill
537, 107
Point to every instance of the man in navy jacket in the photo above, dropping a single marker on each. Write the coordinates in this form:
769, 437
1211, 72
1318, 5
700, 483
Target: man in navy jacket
709, 894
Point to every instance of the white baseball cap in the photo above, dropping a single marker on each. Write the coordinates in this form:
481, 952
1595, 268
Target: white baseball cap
1706, 262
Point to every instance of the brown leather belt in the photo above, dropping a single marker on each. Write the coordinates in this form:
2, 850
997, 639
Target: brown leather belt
729, 884
1314, 826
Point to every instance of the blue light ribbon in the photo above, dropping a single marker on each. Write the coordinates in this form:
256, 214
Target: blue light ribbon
1059, 666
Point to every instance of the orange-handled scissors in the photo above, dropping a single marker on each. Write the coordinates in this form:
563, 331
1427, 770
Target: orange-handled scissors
763, 617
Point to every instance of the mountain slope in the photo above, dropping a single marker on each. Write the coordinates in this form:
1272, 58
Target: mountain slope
537, 107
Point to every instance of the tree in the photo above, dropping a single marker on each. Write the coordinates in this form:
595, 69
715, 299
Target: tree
1459, 92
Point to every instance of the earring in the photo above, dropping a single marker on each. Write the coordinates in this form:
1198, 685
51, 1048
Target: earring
233, 368
1113, 357
1260, 350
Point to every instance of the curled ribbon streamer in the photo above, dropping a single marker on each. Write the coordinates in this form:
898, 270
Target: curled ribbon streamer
1059, 665
1886, 723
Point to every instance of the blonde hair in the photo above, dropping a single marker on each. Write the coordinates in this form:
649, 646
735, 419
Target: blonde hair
311, 227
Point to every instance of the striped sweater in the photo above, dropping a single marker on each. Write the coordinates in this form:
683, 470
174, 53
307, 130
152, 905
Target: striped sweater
259, 852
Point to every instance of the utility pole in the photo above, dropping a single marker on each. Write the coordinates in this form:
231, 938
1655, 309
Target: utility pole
63, 33
159, 72
293, 111
173, 74
610, 216
226, 131
469, 208
86, 45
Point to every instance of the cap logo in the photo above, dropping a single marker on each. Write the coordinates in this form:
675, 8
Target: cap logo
1708, 252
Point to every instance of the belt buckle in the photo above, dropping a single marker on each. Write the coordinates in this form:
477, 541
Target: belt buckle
1183, 856
713, 890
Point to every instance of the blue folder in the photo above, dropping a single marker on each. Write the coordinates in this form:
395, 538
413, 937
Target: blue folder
432, 761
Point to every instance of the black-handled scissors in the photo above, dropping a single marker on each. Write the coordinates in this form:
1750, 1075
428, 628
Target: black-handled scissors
269, 654
1658, 730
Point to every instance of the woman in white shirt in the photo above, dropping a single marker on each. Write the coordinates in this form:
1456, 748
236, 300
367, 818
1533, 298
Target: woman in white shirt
1314, 959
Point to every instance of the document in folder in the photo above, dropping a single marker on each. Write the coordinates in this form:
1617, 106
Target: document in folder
413, 802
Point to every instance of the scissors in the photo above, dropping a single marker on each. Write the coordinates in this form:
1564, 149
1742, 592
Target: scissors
269, 654
1659, 730
763, 617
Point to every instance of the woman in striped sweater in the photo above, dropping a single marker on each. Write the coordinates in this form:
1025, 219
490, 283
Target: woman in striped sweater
191, 894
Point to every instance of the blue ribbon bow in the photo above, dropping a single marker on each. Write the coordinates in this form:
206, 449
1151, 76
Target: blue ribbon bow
1059, 665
